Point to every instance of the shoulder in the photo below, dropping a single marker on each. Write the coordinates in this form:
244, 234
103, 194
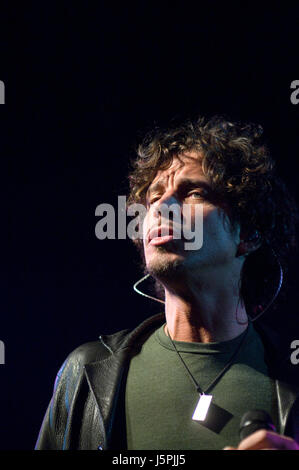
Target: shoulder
72, 369
89, 352
85, 353
74, 364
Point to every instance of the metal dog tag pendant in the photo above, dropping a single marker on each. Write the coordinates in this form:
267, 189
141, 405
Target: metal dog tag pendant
202, 407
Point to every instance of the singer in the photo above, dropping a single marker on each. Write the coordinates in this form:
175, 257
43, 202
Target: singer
184, 378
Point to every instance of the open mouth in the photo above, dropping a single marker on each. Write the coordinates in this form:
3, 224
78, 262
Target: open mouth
160, 235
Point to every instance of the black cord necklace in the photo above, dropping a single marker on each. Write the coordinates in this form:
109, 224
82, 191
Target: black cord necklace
204, 401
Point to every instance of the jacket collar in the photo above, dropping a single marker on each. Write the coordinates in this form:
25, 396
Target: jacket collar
106, 379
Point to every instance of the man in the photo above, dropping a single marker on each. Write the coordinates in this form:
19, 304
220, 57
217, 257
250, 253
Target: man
184, 378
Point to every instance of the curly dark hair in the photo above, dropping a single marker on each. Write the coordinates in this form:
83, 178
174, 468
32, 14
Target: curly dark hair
242, 175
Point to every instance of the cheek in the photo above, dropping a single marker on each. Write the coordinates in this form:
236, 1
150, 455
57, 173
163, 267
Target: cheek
216, 225
200, 215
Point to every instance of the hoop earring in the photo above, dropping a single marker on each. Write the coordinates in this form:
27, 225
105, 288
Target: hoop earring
281, 274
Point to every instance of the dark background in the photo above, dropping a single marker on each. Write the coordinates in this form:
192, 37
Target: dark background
83, 81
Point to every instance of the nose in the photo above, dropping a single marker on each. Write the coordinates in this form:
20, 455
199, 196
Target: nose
169, 205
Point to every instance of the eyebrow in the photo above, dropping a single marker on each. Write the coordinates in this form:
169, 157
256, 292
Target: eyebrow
183, 184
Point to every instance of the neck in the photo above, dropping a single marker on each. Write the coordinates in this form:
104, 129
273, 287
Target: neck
205, 315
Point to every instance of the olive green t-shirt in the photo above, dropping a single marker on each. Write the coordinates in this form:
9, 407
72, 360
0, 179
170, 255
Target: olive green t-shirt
161, 397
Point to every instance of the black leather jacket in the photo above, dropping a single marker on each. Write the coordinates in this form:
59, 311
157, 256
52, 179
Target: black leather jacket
87, 410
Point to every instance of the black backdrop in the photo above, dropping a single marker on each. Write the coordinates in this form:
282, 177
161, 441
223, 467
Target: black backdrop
82, 82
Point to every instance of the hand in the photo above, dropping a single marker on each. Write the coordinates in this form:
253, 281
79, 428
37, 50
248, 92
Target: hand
266, 440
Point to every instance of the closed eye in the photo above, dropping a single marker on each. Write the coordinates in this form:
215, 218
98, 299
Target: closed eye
153, 199
195, 194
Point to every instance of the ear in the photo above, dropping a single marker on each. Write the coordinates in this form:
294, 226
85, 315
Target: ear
248, 243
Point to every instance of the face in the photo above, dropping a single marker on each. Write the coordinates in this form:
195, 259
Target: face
184, 184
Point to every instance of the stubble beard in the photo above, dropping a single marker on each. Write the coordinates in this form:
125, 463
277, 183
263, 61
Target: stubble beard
166, 268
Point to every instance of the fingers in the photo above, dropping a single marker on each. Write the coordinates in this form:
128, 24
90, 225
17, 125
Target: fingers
266, 440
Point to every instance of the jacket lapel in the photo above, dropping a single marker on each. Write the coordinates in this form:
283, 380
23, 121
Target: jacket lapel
105, 379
